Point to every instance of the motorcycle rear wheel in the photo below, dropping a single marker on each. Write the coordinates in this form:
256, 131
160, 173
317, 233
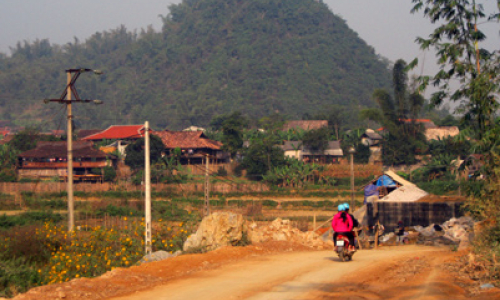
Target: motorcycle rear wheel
341, 256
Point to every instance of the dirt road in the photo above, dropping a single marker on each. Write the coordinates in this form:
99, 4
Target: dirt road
318, 275
279, 270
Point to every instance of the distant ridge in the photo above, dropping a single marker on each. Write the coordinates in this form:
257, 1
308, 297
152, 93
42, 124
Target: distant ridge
211, 57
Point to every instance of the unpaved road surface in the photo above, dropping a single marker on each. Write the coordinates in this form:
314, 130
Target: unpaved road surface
316, 275
279, 270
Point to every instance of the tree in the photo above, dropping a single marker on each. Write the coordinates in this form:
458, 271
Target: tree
8, 157
28, 138
317, 139
135, 152
261, 156
456, 41
232, 127
397, 114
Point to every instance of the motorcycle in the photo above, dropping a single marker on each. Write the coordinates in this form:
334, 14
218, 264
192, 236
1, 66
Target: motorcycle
342, 248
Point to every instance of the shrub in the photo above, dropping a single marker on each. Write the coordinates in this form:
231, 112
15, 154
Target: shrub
221, 171
29, 218
7, 175
17, 276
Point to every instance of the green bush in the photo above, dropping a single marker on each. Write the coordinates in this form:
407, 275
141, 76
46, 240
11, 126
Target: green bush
17, 275
221, 171
7, 175
270, 203
29, 218
439, 187
114, 211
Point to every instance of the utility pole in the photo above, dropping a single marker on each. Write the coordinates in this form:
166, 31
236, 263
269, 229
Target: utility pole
207, 189
147, 175
66, 99
351, 152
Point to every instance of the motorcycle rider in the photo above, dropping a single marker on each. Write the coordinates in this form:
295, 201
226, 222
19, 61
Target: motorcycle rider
342, 224
355, 222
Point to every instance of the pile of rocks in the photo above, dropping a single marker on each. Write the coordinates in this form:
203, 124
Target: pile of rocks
227, 228
455, 231
217, 230
282, 230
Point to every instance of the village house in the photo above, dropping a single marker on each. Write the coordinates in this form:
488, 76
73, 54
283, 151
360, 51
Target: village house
194, 146
120, 136
372, 139
49, 160
305, 125
297, 150
431, 130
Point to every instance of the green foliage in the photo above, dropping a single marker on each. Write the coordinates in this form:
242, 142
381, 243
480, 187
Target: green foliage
260, 157
317, 140
135, 152
232, 126
438, 187
404, 138
294, 173
362, 155
450, 146
28, 218
114, 211
109, 173
8, 175
221, 171
211, 57
455, 39
16, 275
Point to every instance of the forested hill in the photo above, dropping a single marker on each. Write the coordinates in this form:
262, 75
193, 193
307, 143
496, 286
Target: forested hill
211, 57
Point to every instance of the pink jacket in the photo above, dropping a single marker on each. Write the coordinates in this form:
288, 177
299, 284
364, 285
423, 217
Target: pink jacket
338, 224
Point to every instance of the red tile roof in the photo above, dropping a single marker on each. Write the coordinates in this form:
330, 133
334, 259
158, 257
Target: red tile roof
81, 149
187, 140
118, 132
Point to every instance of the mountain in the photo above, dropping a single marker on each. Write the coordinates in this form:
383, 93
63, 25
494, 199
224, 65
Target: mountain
211, 57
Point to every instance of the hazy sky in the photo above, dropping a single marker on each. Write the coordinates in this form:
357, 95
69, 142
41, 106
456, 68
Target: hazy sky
387, 25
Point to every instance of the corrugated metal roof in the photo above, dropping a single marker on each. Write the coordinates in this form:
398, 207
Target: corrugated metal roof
116, 132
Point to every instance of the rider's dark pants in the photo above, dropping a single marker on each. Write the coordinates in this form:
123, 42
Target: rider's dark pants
349, 235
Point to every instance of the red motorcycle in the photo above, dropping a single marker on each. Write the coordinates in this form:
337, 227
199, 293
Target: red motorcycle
342, 248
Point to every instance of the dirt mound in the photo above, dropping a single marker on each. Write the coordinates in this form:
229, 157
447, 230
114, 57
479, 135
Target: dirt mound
126, 281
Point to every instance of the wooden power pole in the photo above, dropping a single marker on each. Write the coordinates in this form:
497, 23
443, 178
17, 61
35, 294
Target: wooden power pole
66, 99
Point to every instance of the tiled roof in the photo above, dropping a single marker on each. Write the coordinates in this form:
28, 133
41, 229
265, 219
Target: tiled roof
86, 132
81, 149
305, 124
118, 132
187, 140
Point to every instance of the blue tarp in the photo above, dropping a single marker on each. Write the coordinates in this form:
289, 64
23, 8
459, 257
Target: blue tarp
370, 190
385, 180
